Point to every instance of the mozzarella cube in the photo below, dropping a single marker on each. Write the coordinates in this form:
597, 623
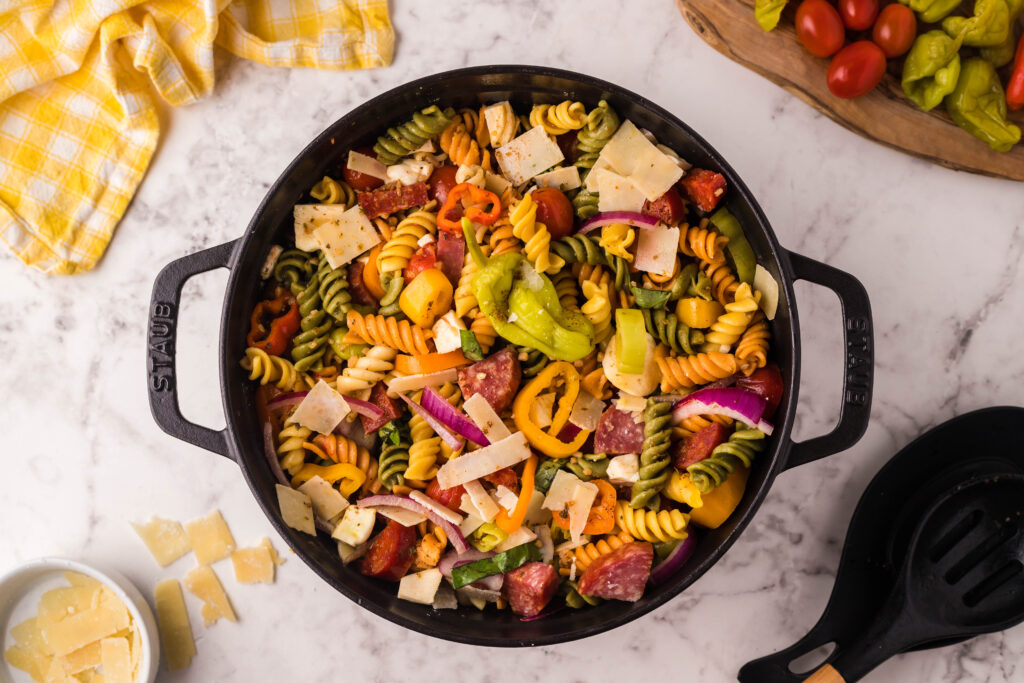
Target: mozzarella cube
624, 469
355, 526
446, 332
322, 409
421, 586
409, 171
527, 155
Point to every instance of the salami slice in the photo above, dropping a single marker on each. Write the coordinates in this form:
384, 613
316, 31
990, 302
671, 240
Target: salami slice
530, 588
496, 378
698, 447
391, 409
451, 252
390, 553
617, 432
621, 574
385, 201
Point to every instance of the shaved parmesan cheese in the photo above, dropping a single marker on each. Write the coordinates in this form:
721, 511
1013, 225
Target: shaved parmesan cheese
484, 461
440, 510
523, 534
506, 498
617, 193
656, 250
601, 166
501, 123
564, 179
561, 490
116, 658
203, 583
527, 155
210, 538
400, 515
356, 526
409, 171
421, 586
253, 565
632, 155
483, 415
478, 502
535, 512
322, 409
309, 217
83, 658
447, 332
570, 545
678, 160
179, 647
347, 237
360, 163
579, 507
78, 630
769, 289
268, 263
327, 501
348, 553
586, 411
541, 407
471, 523
296, 509
624, 469
401, 385
629, 403
278, 560
165, 539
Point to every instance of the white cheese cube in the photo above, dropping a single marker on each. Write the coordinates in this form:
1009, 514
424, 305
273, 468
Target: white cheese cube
322, 409
421, 586
446, 332
409, 171
344, 239
527, 155
624, 469
355, 526
618, 193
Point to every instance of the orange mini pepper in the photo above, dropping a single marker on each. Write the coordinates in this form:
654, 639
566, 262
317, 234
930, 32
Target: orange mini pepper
601, 519
449, 218
548, 442
509, 523
371, 276
427, 363
284, 319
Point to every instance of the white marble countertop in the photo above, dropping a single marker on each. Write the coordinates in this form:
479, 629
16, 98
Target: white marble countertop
939, 252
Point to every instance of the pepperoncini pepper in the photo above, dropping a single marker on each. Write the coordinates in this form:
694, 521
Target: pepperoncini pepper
283, 313
479, 197
978, 105
548, 442
523, 306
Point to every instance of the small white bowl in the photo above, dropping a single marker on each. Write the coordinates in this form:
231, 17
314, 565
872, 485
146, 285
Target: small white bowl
25, 583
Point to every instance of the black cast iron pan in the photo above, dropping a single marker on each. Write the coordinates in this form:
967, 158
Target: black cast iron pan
272, 223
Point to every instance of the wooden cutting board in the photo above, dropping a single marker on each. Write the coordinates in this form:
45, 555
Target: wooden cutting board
884, 115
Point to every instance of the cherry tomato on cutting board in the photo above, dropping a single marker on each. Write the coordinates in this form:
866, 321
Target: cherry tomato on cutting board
819, 28
360, 181
554, 210
856, 69
858, 15
895, 30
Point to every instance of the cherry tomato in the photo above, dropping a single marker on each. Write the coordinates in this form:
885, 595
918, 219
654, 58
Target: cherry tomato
554, 210
361, 182
506, 477
766, 383
858, 15
856, 69
440, 181
424, 258
668, 208
819, 28
450, 498
390, 553
895, 30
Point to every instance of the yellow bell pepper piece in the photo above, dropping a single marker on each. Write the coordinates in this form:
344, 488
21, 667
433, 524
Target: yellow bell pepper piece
426, 298
722, 501
548, 442
349, 476
698, 313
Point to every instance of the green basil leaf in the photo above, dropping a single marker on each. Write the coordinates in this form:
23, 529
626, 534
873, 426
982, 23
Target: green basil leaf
470, 346
649, 298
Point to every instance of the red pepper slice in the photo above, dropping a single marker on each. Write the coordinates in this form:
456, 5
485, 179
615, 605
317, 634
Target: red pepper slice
450, 217
284, 324
1015, 86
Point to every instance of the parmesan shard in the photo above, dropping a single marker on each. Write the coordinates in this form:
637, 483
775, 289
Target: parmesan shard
367, 165
480, 502
346, 237
527, 155
176, 639
296, 509
564, 179
203, 583
309, 217
327, 501
632, 155
83, 658
210, 538
117, 660
618, 193
518, 537
165, 538
278, 560
586, 411
322, 409
253, 565
401, 515
78, 630
656, 250
484, 461
482, 414
579, 508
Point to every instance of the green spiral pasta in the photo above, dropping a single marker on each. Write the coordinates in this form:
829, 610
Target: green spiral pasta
344, 350
310, 344
584, 249
584, 203
531, 361
393, 284
575, 600
682, 282
334, 290
740, 449
602, 122
293, 266
700, 285
666, 327
394, 454
401, 141
590, 466
654, 456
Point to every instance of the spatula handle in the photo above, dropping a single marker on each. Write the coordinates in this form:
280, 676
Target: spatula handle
826, 674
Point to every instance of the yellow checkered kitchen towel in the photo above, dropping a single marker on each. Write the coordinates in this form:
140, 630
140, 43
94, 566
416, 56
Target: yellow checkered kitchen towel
78, 121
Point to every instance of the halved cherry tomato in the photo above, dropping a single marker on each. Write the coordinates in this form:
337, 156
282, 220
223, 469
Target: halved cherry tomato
601, 519
360, 181
895, 30
856, 69
371, 276
506, 477
554, 210
668, 208
819, 28
423, 258
390, 553
440, 181
766, 383
450, 498
858, 15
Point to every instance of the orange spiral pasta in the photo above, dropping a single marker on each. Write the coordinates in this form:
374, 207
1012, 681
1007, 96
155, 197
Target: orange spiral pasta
338, 449
483, 329
502, 239
703, 242
474, 121
380, 330
752, 349
461, 148
693, 424
585, 554
464, 300
685, 372
723, 282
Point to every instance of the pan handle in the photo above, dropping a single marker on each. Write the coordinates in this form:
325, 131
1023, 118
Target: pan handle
161, 357
858, 378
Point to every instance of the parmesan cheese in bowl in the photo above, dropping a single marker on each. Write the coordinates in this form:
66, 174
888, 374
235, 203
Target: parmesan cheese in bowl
66, 621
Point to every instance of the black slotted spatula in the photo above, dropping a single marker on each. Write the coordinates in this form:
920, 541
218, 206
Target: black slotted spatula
961, 576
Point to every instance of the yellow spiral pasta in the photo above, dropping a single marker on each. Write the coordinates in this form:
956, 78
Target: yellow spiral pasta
723, 282
734, 321
565, 288
380, 330
464, 300
752, 349
703, 242
598, 310
281, 372
558, 119
458, 143
502, 238
426, 445
404, 241
483, 329
534, 235
585, 554
685, 372
365, 371
596, 383
616, 239
680, 489
331, 191
290, 447
596, 274
653, 527
344, 451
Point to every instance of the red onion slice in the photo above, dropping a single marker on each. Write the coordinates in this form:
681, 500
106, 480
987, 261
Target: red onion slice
286, 400
452, 531
637, 220
435, 404
447, 435
739, 404
362, 407
676, 559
